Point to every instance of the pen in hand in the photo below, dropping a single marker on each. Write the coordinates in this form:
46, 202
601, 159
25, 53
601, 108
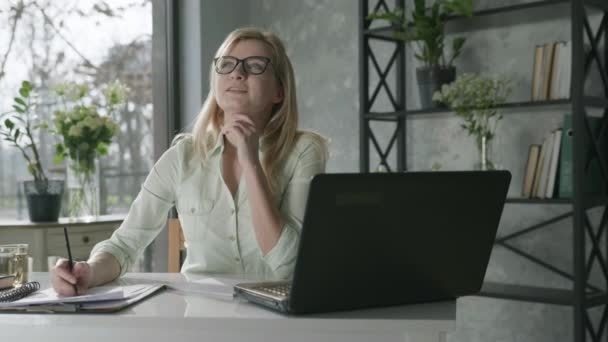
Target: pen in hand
70, 261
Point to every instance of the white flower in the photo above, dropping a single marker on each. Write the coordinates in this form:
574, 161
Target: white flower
92, 122
78, 91
75, 131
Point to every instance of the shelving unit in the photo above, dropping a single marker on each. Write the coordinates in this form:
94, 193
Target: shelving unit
584, 295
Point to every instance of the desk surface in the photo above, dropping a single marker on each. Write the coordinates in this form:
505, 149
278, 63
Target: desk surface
63, 221
181, 316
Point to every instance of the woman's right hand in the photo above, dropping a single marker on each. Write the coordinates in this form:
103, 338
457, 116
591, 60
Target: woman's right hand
63, 280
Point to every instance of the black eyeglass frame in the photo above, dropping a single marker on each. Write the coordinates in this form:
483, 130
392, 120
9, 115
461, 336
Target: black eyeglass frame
243, 62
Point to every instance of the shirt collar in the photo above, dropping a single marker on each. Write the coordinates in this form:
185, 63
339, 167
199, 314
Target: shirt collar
219, 146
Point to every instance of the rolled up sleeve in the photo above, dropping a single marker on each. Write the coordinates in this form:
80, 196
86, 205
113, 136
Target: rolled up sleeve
148, 213
311, 161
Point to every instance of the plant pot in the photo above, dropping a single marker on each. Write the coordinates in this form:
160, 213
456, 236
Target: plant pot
430, 80
43, 199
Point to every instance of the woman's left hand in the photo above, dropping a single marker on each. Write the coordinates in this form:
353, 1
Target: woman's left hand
241, 131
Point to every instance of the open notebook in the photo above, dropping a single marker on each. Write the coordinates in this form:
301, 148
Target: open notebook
97, 299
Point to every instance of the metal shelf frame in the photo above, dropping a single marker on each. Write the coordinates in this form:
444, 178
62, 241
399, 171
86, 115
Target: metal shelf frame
589, 242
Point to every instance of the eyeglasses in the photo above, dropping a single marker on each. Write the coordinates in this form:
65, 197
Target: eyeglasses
254, 65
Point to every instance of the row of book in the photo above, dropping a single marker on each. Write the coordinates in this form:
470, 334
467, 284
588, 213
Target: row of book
549, 167
552, 71
541, 167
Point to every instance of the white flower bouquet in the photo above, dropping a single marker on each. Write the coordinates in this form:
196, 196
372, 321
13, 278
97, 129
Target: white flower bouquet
86, 134
475, 98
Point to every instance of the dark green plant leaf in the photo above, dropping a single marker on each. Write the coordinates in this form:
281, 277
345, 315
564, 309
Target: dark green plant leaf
419, 7
102, 149
19, 109
59, 149
20, 101
24, 91
457, 44
27, 85
18, 118
9, 124
459, 7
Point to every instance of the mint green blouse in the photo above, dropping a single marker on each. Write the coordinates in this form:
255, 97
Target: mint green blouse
218, 229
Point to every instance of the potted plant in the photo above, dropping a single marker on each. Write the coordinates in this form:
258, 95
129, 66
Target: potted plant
17, 126
474, 98
426, 28
86, 128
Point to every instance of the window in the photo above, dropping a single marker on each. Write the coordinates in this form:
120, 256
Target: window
92, 42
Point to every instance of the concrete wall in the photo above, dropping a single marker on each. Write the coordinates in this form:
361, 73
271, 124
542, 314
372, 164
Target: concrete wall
203, 25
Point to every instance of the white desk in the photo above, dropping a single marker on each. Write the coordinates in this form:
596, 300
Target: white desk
46, 238
174, 316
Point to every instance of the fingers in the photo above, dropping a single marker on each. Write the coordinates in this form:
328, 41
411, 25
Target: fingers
241, 128
81, 269
241, 119
61, 270
245, 118
63, 280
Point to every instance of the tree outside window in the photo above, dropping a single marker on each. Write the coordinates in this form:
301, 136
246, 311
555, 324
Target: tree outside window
93, 42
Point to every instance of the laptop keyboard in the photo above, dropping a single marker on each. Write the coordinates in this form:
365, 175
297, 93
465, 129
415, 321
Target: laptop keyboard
277, 290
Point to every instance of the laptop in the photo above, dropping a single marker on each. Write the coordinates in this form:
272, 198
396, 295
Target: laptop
382, 239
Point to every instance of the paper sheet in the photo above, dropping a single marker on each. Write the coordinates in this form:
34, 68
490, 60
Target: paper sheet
211, 287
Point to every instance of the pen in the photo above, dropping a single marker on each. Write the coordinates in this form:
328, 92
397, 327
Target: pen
70, 261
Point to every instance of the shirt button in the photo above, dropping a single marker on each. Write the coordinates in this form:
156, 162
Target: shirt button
232, 211
232, 238
192, 210
237, 259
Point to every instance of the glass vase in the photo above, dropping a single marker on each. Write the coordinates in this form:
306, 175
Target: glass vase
485, 154
83, 188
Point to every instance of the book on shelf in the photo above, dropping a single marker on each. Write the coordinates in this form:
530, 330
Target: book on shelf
531, 164
536, 72
561, 71
555, 72
546, 162
552, 177
548, 54
539, 168
593, 181
552, 71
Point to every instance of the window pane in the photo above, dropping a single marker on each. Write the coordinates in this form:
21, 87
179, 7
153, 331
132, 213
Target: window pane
92, 42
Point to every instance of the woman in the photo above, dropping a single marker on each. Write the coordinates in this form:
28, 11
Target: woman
239, 181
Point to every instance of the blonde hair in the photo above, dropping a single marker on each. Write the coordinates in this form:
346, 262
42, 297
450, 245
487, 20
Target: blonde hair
280, 134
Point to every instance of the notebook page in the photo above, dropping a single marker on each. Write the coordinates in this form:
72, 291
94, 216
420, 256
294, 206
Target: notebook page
49, 296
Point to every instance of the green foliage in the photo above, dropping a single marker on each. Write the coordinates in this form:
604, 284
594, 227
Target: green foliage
18, 126
426, 27
474, 98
